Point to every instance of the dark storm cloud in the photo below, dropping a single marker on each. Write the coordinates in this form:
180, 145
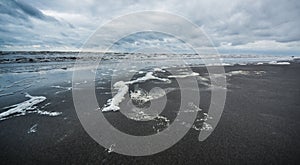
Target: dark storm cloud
23, 26
19, 9
229, 23
261, 20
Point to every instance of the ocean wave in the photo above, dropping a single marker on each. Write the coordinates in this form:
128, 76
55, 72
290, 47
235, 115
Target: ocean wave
64, 61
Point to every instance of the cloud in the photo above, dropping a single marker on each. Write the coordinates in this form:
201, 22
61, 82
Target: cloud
142, 42
229, 23
25, 26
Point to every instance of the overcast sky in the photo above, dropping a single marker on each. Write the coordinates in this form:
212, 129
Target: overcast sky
233, 25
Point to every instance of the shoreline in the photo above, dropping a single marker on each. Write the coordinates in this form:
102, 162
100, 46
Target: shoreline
260, 118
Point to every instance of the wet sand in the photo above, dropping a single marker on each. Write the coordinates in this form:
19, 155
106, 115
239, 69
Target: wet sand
259, 125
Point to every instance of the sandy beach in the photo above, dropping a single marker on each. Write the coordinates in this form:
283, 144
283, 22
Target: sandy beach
259, 123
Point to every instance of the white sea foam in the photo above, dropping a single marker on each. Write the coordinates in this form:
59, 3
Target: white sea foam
113, 104
139, 114
111, 148
205, 127
161, 123
122, 87
142, 96
28, 106
65, 89
158, 70
32, 129
201, 78
218, 64
184, 76
47, 113
192, 108
241, 72
279, 63
132, 70
21, 108
259, 72
148, 76
238, 72
45, 105
200, 124
226, 64
60, 87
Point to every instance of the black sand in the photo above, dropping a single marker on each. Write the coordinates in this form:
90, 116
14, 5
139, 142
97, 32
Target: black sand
260, 125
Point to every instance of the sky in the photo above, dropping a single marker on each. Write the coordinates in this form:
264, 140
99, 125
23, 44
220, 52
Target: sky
234, 26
